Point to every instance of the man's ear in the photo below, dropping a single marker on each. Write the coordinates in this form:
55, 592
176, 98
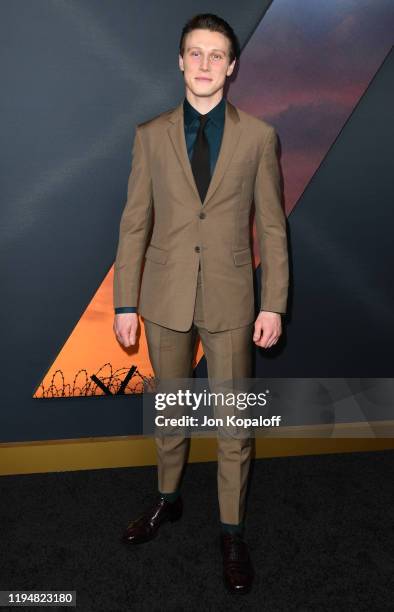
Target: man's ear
180, 60
231, 67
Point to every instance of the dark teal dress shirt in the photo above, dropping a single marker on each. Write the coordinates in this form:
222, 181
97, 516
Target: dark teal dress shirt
213, 131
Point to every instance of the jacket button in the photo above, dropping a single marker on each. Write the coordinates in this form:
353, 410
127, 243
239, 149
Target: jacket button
202, 215
197, 249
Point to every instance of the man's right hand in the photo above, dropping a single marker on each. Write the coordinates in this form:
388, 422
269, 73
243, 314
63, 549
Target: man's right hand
125, 328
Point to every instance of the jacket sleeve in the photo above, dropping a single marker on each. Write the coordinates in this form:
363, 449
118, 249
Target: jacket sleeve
271, 229
135, 224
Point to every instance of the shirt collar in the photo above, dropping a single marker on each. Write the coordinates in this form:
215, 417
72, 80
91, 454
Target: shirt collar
216, 114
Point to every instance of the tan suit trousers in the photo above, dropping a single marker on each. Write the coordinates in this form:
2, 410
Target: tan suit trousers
229, 355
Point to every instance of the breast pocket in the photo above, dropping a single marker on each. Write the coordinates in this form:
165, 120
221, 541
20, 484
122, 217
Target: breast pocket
241, 167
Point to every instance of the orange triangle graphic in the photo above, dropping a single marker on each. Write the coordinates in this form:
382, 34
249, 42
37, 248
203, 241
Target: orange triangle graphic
92, 350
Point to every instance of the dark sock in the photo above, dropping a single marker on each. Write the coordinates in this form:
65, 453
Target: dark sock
232, 528
171, 497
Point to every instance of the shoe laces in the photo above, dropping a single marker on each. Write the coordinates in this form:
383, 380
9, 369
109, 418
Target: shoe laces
236, 548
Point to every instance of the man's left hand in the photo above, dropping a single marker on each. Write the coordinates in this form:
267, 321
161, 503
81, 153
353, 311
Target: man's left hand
267, 329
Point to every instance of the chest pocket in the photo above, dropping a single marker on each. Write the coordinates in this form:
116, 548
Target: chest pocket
241, 167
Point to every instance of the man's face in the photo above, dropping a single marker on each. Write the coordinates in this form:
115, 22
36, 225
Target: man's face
205, 62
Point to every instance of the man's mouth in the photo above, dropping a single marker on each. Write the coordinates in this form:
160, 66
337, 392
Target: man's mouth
203, 79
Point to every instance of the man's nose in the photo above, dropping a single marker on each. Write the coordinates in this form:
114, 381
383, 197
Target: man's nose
205, 63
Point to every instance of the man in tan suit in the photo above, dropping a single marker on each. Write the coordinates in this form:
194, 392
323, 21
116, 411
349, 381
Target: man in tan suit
196, 170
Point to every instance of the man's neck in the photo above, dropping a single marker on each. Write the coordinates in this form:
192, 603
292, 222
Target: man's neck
203, 104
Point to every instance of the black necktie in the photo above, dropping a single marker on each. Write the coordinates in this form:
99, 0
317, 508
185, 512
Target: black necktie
200, 160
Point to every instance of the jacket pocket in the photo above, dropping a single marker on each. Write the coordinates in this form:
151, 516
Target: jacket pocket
245, 166
155, 254
242, 257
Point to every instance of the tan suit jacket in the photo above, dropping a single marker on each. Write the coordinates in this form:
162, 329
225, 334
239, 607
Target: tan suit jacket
162, 193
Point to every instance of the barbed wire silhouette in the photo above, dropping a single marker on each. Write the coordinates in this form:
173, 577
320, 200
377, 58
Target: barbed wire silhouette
123, 381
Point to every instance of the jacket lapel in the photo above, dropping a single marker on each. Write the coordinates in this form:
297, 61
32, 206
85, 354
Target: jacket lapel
231, 134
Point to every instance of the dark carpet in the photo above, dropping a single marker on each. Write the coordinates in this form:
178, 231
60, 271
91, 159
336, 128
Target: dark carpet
320, 530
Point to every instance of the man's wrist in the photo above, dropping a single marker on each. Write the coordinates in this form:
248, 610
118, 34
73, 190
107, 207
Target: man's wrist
274, 311
122, 309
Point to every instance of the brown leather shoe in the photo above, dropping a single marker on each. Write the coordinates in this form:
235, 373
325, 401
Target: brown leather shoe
146, 525
237, 567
